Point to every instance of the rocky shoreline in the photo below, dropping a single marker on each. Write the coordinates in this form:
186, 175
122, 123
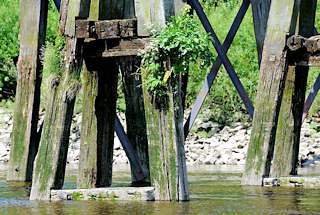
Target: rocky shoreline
209, 144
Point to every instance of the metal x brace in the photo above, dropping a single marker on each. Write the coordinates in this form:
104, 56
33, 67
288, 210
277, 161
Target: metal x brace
221, 59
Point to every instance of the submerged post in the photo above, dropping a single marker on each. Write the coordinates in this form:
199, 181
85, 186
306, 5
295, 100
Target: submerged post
285, 159
165, 119
273, 71
25, 139
50, 163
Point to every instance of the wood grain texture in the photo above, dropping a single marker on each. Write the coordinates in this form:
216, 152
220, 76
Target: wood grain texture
273, 72
32, 32
106, 29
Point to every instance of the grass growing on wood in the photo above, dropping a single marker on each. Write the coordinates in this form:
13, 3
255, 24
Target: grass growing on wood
52, 59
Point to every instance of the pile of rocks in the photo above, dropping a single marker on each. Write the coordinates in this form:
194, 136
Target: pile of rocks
5, 131
209, 143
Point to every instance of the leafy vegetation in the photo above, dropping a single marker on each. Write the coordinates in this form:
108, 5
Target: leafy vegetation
180, 43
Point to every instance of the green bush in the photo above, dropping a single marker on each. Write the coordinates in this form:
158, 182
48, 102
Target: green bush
9, 46
180, 43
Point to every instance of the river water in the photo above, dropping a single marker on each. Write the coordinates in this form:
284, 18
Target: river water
214, 190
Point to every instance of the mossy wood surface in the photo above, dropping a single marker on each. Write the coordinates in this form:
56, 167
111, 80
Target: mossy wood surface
25, 140
153, 14
135, 114
285, 159
260, 12
98, 117
273, 71
166, 146
50, 163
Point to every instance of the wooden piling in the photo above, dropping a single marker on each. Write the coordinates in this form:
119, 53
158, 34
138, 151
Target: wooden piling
25, 140
166, 143
50, 163
273, 71
285, 158
98, 117
135, 117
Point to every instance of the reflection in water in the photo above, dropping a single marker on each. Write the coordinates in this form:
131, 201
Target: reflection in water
212, 192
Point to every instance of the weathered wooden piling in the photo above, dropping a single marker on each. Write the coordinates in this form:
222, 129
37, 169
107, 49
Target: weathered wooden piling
98, 116
285, 158
25, 139
135, 117
166, 143
273, 71
49, 168
164, 116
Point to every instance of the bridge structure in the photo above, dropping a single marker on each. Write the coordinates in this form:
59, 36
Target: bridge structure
103, 37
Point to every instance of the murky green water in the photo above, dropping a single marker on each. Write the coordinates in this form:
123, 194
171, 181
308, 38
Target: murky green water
213, 191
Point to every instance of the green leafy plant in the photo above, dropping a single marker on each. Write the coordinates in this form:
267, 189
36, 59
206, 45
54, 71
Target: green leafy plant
180, 43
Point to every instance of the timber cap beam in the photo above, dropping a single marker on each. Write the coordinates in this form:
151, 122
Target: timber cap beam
106, 29
110, 38
115, 47
304, 51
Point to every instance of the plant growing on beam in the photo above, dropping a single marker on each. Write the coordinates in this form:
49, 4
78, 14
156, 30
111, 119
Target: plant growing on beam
180, 43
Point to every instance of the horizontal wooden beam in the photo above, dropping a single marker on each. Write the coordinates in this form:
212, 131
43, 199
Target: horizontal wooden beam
115, 47
106, 29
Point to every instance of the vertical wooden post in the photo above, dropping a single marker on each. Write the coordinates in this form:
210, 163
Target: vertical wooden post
273, 72
135, 117
260, 12
166, 143
285, 159
49, 168
33, 23
152, 14
98, 116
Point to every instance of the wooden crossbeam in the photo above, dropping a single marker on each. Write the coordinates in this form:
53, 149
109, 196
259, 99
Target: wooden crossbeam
106, 29
115, 47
